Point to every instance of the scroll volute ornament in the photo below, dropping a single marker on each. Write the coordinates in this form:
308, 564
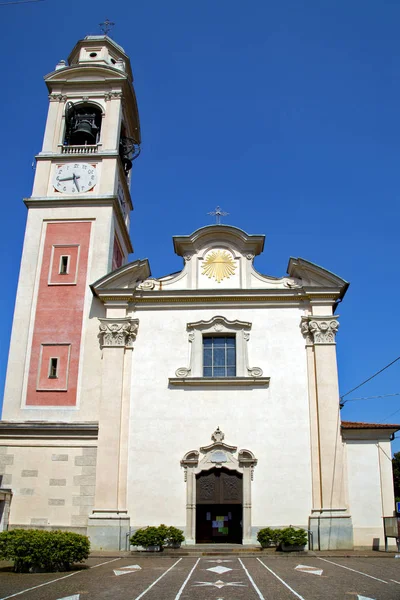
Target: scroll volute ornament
120, 333
320, 330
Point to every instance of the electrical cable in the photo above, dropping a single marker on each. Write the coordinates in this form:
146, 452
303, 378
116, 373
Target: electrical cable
369, 379
373, 397
20, 2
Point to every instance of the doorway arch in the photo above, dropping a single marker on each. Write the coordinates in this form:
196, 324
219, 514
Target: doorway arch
219, 464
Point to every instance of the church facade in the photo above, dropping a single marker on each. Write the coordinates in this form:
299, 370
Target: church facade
207, 399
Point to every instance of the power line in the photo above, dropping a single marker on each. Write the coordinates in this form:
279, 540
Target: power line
19, 2
372, 397
392, 414
369, 379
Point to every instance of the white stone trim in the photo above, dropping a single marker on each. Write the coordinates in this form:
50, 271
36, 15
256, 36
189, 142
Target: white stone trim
319, 329
193, 464
218, 325
118, 333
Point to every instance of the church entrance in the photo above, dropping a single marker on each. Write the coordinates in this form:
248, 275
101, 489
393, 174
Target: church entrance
219, 506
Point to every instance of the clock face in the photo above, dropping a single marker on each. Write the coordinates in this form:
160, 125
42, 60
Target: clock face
75, 178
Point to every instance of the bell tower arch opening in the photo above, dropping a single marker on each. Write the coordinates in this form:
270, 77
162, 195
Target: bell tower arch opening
218, 493
82, 124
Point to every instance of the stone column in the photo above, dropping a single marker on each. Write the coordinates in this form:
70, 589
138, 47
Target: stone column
190, 506
330, 520
109, 523
247, 476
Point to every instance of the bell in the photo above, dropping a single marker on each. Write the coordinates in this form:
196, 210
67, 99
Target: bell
84, 133
127, 164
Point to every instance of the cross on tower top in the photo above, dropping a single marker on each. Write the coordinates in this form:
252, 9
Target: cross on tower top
218, 213
106, 26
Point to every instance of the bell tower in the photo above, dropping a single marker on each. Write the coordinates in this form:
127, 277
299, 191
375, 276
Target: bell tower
77, 231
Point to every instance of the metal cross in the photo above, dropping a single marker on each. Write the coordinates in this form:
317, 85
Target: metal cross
106, 26
218, 213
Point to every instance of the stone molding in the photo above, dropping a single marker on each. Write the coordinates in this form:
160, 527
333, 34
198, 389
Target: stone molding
54, 97
118, 333
218, 454
319, 330
220, 325
111, 95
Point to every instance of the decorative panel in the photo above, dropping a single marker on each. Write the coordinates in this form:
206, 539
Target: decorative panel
219, 486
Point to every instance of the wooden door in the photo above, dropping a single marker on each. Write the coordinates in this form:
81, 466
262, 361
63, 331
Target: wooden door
219, 486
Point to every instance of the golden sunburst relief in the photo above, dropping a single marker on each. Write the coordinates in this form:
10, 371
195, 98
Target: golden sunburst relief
219, 264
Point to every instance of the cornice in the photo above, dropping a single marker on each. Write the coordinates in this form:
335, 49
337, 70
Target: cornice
74, 157
73, 201
254, 297
219, 382
41, 429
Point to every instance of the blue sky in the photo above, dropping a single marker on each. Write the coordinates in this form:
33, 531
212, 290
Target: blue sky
285, 113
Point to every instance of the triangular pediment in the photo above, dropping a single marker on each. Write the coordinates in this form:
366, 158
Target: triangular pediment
122, 281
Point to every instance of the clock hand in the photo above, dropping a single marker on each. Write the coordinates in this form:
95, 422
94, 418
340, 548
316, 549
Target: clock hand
66, 178
76, 181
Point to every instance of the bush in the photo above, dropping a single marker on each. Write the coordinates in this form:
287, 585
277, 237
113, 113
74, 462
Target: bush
293, 537
174, 536
157, 536
149, 536
288, 536
34, 549
268, 537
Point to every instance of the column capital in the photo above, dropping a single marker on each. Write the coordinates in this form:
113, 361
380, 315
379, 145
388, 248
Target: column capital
118, 333
319, 329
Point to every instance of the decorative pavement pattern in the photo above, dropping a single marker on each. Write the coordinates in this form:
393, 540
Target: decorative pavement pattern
189, 578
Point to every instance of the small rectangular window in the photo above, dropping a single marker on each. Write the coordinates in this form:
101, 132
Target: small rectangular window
53, 368
64, 264
219, 356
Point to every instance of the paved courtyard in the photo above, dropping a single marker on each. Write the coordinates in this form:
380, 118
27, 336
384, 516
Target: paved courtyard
212, 578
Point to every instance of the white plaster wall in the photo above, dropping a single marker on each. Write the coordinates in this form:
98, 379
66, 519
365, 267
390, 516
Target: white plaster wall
89, 389
272, 422
365, 491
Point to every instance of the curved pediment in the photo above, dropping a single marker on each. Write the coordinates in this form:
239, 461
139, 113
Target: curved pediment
205, 236
86, 73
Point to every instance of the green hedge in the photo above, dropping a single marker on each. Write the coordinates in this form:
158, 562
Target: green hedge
34, 549
288, 536
157, 536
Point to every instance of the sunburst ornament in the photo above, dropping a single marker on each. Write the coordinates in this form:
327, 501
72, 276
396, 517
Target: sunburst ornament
219, 264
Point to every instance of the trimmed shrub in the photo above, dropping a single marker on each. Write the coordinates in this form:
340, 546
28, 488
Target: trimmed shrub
268, 537
149, 536
293, 537
35, 549
157, 536
174, 536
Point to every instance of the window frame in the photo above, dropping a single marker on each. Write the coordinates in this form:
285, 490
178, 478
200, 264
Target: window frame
61, 271
213, 347
52, 375
218, 325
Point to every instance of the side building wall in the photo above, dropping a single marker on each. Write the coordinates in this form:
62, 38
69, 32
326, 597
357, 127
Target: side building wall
52, 483
371, 494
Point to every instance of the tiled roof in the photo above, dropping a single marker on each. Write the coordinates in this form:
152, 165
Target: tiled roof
355, 425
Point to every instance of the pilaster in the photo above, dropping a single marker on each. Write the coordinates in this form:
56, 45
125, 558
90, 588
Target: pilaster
330, 520
109, 523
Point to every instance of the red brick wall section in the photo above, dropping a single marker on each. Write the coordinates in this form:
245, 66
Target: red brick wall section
59, 314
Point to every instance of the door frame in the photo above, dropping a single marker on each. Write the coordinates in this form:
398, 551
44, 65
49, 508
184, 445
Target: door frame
217, 455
